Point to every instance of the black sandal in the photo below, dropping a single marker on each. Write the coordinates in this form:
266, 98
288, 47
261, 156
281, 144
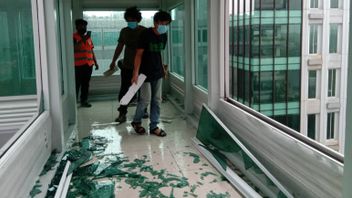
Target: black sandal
161, 132
138, 128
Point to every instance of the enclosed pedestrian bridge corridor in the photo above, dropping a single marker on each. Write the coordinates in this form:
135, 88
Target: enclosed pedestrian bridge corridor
254, 101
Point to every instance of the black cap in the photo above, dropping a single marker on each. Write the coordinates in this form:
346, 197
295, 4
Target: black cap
81, 22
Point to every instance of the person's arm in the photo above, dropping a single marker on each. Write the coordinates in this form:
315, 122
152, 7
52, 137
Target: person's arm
95, 61
137, 65
117, 53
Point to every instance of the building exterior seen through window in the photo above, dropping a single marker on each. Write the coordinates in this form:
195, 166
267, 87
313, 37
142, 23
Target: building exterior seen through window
289, 63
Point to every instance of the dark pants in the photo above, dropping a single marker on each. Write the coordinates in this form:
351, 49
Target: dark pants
83, 74
126, 77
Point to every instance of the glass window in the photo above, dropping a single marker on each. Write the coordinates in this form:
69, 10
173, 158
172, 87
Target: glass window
267, 32
333, 38
293, 121
313, 39
334, 3
294, 37
295, 4
314, 3
177, 41
332, 83
293, 86
265, 57
201, 43
312, 84
311, 126
110, 38
281, 40
330, 129
266, 87
17, 75
268, 4
105, 27
280, 86
18, 88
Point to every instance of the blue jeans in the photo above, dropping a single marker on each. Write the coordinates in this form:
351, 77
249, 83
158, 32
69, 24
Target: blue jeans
150, 92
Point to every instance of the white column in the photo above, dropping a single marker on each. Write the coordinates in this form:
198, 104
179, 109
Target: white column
347, 190
216, 51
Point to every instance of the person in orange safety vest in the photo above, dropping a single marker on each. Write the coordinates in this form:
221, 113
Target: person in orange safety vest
84, 60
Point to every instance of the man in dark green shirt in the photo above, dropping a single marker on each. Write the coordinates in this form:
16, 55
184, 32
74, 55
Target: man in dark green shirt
128, 38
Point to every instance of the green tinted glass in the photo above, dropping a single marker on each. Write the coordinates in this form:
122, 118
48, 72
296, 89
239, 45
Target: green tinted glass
17, 60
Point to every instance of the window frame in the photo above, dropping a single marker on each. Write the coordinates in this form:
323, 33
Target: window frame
38, 77
318, 39
316, 83
338, 38
313, 2
196, 51
170, 43
336, 117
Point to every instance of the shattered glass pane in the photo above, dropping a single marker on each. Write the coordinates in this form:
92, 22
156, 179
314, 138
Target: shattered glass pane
230, 155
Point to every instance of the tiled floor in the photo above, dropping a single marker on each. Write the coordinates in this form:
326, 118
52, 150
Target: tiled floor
172, 153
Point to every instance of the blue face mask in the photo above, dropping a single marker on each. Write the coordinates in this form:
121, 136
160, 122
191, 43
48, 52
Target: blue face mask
162, 29
132, 24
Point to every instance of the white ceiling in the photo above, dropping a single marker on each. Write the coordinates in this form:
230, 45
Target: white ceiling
120, 4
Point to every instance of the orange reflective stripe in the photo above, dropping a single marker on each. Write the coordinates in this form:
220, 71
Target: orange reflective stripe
87, 54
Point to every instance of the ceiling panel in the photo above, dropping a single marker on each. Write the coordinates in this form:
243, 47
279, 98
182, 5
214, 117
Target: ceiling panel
118, 4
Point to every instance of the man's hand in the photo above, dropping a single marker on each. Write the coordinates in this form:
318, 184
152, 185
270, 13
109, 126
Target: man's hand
112, 65
96, 66
134, 78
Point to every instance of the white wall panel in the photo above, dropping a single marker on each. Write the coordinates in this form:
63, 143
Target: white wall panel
22, 163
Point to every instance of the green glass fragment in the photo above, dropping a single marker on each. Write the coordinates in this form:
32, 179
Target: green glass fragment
87, 170
281, 195
50, 164
210, 132
172, 193
220, 158
106, 191
196, 158
248, 162
36, 189
212, 194
203, 175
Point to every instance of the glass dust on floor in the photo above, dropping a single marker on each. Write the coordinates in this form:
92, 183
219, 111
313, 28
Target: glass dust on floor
100, 171
126, 164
